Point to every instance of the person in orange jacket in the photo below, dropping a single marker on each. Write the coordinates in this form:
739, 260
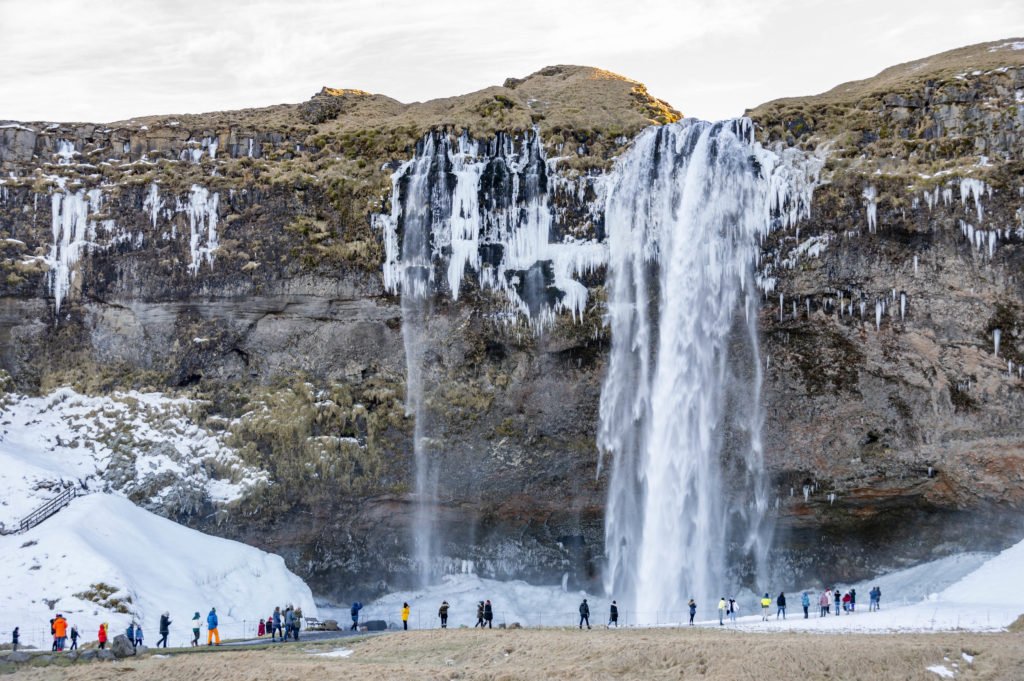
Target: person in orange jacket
60, 630
102, 636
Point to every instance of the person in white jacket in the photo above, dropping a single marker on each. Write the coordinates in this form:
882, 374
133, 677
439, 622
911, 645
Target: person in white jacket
196, 625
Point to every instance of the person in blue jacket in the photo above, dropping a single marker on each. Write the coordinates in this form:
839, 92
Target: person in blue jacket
211, 627
356, 607
805, 601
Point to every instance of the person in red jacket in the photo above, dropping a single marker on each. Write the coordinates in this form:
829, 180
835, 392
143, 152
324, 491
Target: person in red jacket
846, 602
262, 629
102, 636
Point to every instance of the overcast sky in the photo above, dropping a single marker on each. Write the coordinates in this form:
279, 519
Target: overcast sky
99, 60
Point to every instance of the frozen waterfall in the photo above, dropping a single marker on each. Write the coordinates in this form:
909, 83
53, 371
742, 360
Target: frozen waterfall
680, 413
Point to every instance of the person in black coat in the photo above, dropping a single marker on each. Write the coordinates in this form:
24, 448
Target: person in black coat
584, 614
781, 603
165, 629
613, 616
488, 614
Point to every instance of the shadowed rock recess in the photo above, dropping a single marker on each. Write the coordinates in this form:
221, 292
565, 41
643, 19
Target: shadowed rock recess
238, 258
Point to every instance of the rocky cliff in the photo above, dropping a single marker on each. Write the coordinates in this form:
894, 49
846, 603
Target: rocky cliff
237, 259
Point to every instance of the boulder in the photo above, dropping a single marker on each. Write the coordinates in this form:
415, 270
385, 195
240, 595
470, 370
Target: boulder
42, 660
331, 625
121, 647
19, 656
87, 655
375, 625
71, 655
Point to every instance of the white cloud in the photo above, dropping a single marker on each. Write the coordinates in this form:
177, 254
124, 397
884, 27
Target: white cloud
105, 60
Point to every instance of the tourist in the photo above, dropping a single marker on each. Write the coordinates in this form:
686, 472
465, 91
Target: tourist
138, 635
692, 605
846, 602
130, 633
766, 603
289, 622
276, 625
838, 599
60, 630
53, 634
211, 627
853, 600
14, 639
101, 636
488, 614
298, 622
721, 611
584, 614
826, 601
165, 629
442, 612
781, 603
805, 602
74, 638
261, 629
613, 615
873, 599
479, 615
356, 607
196, 626
405, 616
734, 607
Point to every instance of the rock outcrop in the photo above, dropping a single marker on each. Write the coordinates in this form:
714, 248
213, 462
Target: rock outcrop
236, 258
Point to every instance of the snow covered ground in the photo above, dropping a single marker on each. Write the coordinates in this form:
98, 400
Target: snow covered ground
158, 564
130, 442
972, 591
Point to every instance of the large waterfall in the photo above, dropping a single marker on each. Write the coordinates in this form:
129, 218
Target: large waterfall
680, 406
680, 414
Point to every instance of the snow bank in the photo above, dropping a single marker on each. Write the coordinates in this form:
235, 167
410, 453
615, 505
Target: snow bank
127, 442
158, 564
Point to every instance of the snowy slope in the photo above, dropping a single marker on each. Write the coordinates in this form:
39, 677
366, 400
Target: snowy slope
160, 565
135, 443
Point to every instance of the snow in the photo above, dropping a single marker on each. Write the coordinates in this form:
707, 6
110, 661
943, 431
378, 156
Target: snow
162, 566
122, 441
967, 591
337, 652
941, 670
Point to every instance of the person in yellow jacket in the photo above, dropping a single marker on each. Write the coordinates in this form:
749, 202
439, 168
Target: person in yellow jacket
721, 611
405, 616
766, 604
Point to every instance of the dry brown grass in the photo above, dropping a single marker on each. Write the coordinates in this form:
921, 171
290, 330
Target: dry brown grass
571, 654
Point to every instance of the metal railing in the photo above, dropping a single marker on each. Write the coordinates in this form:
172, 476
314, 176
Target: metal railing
47, 510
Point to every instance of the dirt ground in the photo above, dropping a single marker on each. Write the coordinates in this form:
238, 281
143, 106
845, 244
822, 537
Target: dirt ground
506, 655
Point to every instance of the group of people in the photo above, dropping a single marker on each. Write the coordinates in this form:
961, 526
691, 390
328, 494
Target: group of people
60, 631
281, 625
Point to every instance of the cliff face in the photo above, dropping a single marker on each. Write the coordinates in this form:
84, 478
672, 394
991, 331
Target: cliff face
236, 258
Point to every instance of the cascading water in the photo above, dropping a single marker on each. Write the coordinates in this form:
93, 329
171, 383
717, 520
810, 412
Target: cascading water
680, 412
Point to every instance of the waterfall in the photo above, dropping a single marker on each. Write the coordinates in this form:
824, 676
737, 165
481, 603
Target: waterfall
680, 412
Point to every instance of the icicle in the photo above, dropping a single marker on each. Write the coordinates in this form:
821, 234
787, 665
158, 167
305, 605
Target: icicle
903, 306
878, 315
915, 265
996, 336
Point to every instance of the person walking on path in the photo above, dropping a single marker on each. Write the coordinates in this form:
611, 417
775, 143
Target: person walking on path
442, 612
101, 636
138, 635
165, 629
613, 615
838, 599
479, 615
196, 626
780, 602
74, 638
721, 611
734, 608
805, 602
211, 627
60, 631
766, 603
824, 601
356, 607
488, 614
15, 636
584, 614
276, 625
